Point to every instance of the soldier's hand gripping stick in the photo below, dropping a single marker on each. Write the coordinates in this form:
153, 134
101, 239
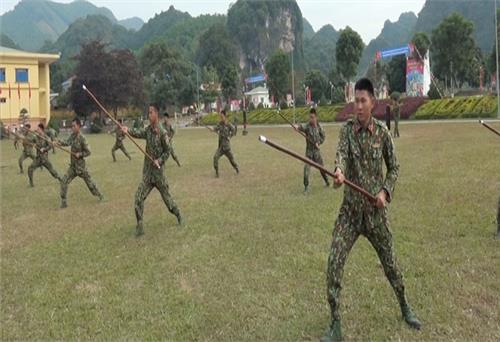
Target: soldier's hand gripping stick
355, 187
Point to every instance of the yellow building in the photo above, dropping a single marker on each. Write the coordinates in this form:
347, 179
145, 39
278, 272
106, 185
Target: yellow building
24, 83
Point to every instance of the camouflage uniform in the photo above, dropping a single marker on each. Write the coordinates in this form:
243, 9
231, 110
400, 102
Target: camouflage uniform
315, 136
169, 128
120, 136
28, 143
361, 154
225, 131
158, 148
52, 134
42, 158
397, 116
77, 166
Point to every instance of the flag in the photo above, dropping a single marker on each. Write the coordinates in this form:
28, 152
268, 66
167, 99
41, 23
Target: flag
29, 89
19, 90
9, 90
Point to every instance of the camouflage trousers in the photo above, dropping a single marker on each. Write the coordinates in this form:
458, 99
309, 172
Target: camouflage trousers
316, 157
219, 153
38, 162
396, 128
25, 155
84, 174
173, 154
119, 147
345, 234
160, 183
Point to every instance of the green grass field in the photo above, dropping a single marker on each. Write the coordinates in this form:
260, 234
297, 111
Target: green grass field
250, 263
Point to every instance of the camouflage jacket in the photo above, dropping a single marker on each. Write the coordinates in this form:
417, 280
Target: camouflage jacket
225, 131
396, 110
42, 145
315, 135
78, 144
361, 154
51, 133
29, 141
157, 147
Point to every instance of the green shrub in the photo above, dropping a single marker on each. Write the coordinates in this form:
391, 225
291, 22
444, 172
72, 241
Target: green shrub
458, 107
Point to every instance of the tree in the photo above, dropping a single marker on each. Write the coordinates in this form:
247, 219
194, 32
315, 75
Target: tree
338, 83
397, 74
318, 84
169, 79
278, 71
229, 82
216, 49
453, 48
348, 53
377, 73
422, 43
114, 77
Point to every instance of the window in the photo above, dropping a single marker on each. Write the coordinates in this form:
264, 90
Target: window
2, 74
21, 75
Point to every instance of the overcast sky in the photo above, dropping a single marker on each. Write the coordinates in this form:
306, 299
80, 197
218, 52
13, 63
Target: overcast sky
367, 17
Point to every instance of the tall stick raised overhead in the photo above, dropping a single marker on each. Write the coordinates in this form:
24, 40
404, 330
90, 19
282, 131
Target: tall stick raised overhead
118, 124
489, 127
53, 143
359, 189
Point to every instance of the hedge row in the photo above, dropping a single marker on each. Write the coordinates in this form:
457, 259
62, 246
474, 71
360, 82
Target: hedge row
270, 116
458, 107
409, 106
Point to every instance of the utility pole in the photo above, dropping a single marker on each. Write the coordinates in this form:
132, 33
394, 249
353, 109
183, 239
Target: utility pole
293, 89
496, 45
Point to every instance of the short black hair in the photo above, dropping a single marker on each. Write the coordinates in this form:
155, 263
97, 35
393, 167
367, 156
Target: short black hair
77, 121
155, 106
40, 125
27, 125
165, 114
364, 84
312, 111
223, 112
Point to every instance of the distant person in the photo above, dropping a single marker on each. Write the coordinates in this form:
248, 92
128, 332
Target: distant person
315, 136
388, 117
170, 129
120, 136
397, 115
225, 131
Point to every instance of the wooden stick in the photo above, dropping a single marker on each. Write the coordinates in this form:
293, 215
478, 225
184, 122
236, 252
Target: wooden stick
54, 144
489, 127
359, 189
118, 124
296, 129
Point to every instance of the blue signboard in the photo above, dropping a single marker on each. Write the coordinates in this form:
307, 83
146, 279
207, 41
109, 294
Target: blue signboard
256, 78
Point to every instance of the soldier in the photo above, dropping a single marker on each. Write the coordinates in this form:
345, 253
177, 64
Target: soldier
225, 131
397, 115
364, 145
315, 136
153, 175
52, 134
42, 156
120, 136
169, 128
28, 143
80, 150
388, 117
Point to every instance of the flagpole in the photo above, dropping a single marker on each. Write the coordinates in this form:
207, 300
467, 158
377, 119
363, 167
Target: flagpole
496, 46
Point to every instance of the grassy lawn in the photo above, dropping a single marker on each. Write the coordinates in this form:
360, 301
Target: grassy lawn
250, 262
